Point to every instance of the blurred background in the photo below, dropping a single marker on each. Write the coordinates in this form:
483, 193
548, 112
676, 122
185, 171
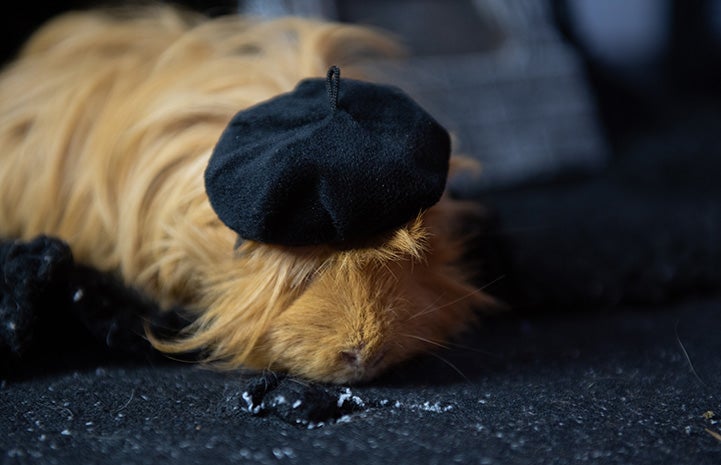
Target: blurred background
535, 89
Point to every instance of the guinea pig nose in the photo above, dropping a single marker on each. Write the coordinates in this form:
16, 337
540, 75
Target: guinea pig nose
351, 357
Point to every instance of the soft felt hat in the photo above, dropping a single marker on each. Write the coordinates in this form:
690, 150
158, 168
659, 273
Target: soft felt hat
330, 162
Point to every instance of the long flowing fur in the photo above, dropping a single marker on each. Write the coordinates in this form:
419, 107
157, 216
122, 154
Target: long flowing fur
107, 122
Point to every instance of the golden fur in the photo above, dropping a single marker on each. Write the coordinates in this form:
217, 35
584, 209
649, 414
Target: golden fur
107, 122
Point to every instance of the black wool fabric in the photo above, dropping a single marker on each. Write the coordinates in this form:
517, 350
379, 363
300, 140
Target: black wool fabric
330, 162
29, 284
53, 309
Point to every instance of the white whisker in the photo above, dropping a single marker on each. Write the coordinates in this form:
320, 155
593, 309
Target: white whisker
423, 339
455, 368
455, 301
471, 349
430, 307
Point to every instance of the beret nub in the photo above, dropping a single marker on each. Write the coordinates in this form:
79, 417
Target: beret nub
329, 162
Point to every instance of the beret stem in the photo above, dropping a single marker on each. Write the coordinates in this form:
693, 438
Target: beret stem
332, 84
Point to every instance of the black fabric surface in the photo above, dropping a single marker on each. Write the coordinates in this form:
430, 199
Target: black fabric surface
51, 307
645, 232
626, 388
289, 170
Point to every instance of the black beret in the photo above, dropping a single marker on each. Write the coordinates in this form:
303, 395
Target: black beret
330, 162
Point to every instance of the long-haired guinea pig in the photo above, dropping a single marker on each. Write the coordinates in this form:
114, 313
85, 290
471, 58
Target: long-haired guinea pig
107, 123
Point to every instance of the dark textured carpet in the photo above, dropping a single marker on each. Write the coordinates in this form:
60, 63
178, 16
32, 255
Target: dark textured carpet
627, 388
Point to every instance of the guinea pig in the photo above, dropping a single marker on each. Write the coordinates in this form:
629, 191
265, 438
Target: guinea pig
107, 122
